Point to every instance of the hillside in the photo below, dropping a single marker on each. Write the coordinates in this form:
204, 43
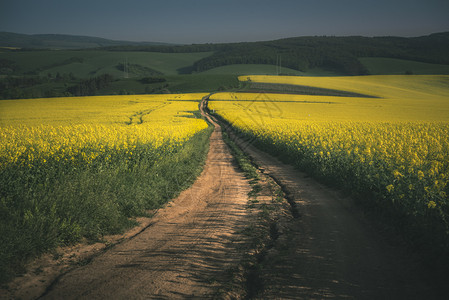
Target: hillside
337, 54
117, 68
60, 41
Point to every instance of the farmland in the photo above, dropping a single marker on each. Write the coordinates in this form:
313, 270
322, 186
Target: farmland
156, 69
390, 151
79, 168
392, 66
96, 62
74, 168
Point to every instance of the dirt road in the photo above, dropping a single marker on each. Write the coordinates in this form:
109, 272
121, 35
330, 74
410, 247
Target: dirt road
185, 253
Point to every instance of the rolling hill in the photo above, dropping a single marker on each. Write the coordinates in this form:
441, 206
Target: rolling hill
60, 41
337, 54
120, 67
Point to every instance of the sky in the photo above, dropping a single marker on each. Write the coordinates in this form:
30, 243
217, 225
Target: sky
214, 21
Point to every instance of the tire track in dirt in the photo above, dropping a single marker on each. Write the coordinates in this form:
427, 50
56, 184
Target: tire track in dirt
188, 250
331, 250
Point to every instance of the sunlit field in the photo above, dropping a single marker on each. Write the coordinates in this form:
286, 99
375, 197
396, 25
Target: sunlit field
87, 129
392, 152
73, 168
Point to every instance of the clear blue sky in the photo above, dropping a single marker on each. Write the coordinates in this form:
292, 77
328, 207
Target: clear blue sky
202, 21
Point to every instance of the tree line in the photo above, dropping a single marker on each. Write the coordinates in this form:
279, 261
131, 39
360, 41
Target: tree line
59, 85
89, 87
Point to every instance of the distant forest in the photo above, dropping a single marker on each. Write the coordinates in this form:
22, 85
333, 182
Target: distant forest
303, 53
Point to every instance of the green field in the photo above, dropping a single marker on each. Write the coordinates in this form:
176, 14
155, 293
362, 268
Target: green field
254, 69
260, 69
51, 69
393, 66
88, 63
62, 73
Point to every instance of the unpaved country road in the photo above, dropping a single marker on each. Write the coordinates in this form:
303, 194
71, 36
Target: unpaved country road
189, 248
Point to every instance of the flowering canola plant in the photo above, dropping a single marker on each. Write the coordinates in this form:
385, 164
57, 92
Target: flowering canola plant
92, 129
394, 147
83, 167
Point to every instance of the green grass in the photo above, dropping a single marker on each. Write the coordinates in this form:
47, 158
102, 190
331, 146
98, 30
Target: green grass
259, 69
59, 203
243, 162
392, 66
251, 69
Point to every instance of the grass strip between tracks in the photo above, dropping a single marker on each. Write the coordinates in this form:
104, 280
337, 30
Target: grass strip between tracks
266, 205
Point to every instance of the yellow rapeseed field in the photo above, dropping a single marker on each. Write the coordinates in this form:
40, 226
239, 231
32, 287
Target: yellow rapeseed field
87, 128
401, 98
73, 168
395, 147
388, 86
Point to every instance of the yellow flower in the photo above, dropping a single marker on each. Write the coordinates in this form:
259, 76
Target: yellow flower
420, 175
397, 174
390, 188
